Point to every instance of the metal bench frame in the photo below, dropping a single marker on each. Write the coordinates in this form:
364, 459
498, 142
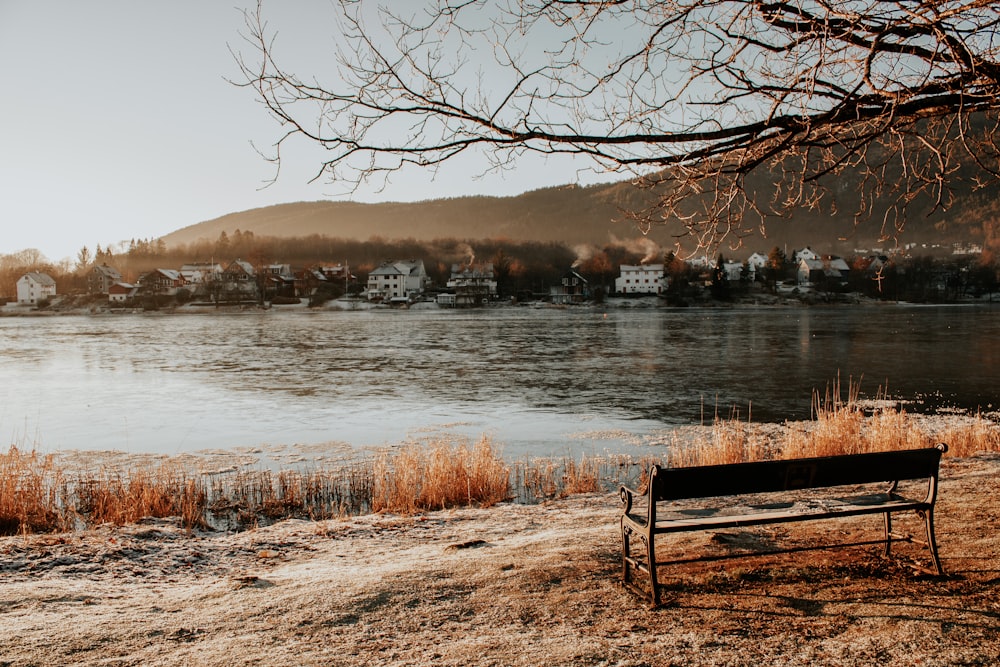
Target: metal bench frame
770, 477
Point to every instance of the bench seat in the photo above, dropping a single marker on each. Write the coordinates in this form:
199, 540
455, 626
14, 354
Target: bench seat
686, 520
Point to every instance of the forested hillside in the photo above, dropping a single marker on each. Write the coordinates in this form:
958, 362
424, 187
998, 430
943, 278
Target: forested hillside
597, 215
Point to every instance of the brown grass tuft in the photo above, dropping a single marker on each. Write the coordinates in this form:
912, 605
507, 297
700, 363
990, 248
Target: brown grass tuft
32, 494
840, 426
119, 499
582, 477
970, 439
439, 475
731, 441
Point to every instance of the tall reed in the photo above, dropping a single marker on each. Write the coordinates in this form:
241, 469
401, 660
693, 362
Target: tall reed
33, 494
971, 438
545, 478
730, 441
120, 498
438, 475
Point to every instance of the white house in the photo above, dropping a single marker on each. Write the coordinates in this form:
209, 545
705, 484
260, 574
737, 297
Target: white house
34, 287
733, 271
399, 280
699, 262
804, 253
810, 271
640, 279
756, 263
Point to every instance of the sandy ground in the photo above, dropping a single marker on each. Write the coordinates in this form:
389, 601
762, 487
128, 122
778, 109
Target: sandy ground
510, 585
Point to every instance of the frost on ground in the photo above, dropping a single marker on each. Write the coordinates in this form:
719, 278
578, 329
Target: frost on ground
510, 585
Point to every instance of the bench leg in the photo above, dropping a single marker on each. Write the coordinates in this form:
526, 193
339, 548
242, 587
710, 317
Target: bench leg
626, 554
888, 533
931, 542
630, 565
654, 586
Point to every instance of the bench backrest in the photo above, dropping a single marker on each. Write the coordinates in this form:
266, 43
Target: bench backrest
772, 476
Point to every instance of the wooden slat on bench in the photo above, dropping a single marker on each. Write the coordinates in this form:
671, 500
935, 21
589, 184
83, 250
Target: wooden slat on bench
774, 476
676, 524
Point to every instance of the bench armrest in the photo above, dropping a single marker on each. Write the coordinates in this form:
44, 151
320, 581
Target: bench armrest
626, 495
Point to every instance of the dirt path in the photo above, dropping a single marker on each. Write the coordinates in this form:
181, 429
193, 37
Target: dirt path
511, 585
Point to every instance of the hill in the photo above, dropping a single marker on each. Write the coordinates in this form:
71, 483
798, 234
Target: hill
596, 215
569, 214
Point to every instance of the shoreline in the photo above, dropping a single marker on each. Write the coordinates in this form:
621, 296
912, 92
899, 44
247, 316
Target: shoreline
766, 301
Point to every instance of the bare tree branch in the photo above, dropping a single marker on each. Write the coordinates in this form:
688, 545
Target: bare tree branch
692, 97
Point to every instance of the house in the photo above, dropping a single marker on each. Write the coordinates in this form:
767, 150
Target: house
828, 271
446, 300
121, 292
199, 273
308, 281
837, 269
238, 282
239, 271
756, 263
336, 272
702, 262
34, 287
640, 279
810, 272
278, 280
327, 276
733, 271
161, 281
472, 284
397, 281
804, 253
573, 288
101, 278
876, 266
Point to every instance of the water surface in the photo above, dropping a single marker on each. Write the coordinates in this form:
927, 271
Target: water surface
538, 380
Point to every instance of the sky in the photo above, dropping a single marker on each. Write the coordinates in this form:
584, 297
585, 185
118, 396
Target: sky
118, 121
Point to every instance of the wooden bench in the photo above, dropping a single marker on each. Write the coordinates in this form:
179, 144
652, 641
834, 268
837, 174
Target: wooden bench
733, 486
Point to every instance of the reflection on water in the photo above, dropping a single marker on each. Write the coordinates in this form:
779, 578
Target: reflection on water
538, 380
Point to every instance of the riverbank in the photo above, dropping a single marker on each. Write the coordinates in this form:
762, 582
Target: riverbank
799, 297
510, 585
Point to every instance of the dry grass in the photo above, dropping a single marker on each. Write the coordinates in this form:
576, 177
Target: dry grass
439, 475
840, 426
969, 439
32, 494
731, 441
125, 498
546, 478
239, 499
37, 496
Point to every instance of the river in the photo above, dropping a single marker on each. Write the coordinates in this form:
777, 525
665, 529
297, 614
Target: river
539, 381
